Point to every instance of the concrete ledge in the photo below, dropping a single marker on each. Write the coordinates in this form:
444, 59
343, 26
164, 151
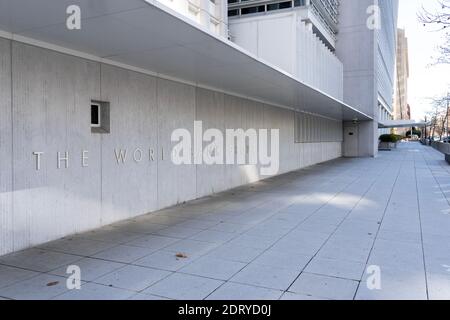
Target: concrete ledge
386, 146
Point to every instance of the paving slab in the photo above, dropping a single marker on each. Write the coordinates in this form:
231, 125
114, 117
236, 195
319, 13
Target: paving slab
236, 291
324, 287
184, 287
307, 235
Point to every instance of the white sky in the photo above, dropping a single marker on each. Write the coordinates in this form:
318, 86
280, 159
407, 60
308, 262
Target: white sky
425, 81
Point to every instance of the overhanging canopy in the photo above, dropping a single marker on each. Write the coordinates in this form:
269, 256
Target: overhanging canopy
154, 38
386, 124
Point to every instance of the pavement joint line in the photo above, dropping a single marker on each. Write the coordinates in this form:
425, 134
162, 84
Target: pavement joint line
404, 166
379, 226
334, 232
298, 224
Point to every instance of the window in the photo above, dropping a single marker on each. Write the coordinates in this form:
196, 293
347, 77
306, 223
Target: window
95, 115
234, 12
100, 117
252, 10
285, 5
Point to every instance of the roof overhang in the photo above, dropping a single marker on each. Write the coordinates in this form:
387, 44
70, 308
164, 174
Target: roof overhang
386, 124
151, 37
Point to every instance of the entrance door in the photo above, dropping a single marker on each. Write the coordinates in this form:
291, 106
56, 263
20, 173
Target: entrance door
351, 142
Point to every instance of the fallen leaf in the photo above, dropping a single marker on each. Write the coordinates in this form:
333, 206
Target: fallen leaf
181, 256
52, 284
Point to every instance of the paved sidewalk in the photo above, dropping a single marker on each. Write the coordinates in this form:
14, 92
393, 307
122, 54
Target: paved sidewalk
311, 234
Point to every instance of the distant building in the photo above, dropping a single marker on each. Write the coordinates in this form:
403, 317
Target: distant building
401, 107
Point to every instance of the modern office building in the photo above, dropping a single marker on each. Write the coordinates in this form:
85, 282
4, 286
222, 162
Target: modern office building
401, 106
345, 49
297, 36
366, 46
88, 109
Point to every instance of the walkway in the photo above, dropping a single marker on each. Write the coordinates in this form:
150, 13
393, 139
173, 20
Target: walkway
321, 233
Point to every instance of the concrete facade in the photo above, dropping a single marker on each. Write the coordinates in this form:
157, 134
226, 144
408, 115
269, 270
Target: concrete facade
358, 67
210, 14
45, 98
366, 47
285, 40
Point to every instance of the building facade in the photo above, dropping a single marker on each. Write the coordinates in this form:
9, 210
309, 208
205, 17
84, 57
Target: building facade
366, 45
401, 106
211, 14
88, 114
345, 49
295, 36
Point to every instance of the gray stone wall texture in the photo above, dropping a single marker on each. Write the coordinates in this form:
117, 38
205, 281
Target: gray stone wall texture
45, 107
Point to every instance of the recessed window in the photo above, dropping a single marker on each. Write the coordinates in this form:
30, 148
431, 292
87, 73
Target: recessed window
284, 5
232, 13
252, 10
279, 6
95, 115
100, 117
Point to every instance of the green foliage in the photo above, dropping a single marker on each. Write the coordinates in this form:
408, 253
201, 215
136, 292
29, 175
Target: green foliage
392, 138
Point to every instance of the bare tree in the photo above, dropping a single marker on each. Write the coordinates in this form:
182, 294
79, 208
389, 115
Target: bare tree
443, 52
440, 116
437, 117
438, 19
430, 120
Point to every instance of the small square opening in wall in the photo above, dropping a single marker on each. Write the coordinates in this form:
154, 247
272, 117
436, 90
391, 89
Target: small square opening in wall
99, 117
95, 115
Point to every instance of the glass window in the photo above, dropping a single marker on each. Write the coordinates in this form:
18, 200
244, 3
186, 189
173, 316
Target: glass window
284, 5
273, 6
252, 10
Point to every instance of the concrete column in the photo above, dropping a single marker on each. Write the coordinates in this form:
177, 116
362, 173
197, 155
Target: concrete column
204, 13
222, 9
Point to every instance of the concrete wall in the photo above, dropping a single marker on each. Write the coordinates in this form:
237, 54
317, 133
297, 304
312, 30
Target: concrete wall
386, 53
203, 12
44, 107
284, 40
368, 56
357, 49
441, 147
6, 219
